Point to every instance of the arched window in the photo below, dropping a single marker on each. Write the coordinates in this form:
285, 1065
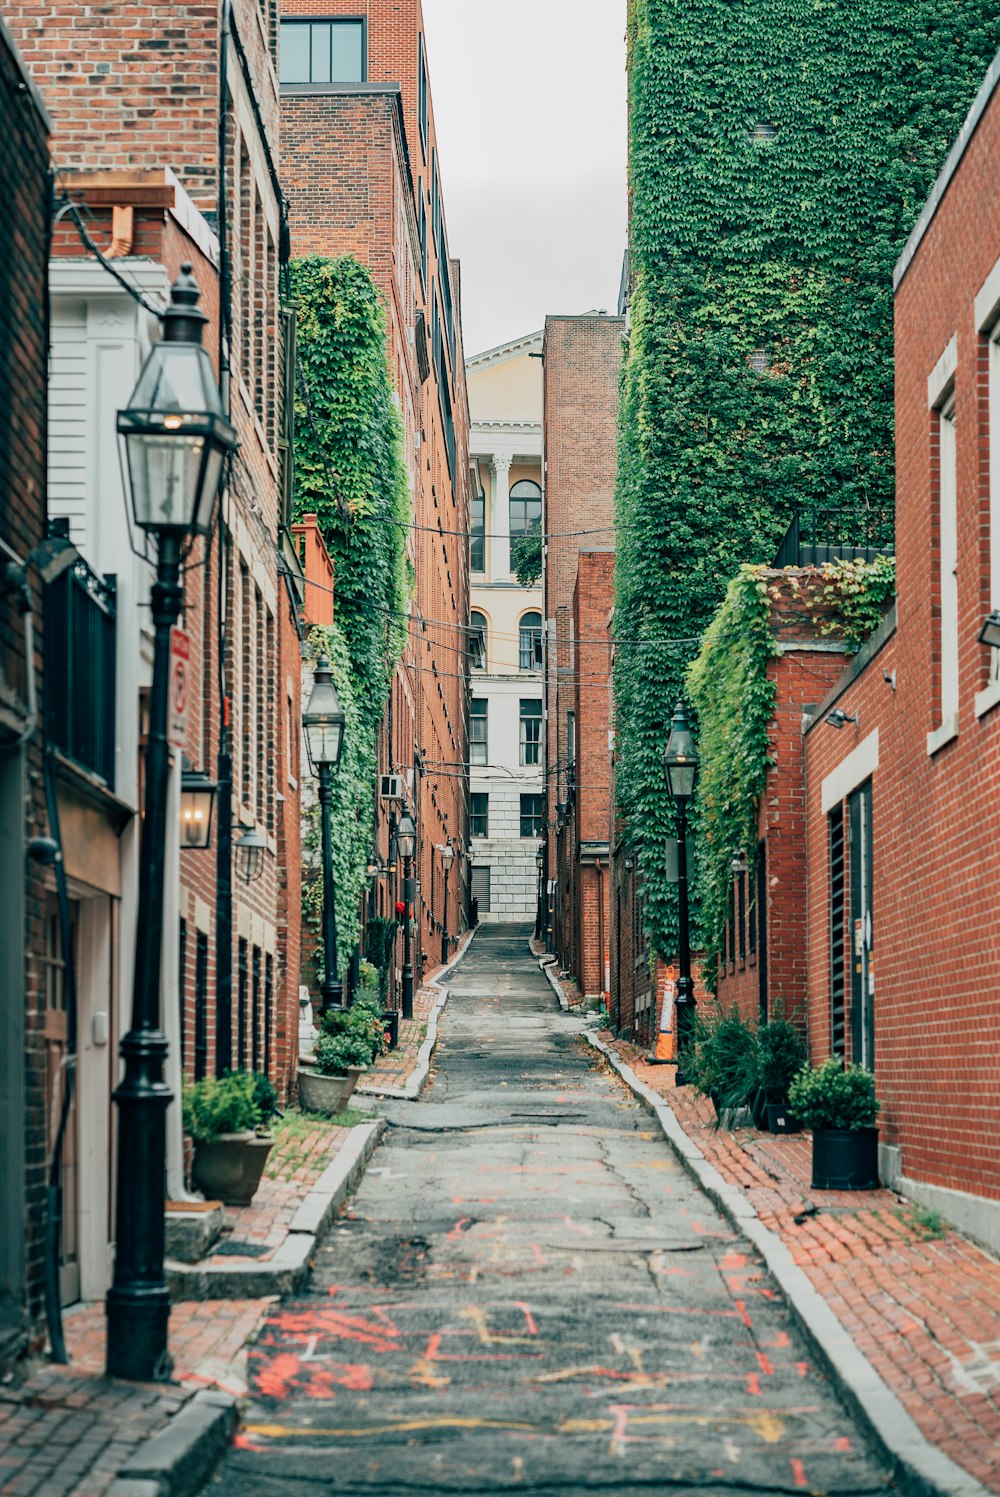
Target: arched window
531, 642
525, 508
478, 639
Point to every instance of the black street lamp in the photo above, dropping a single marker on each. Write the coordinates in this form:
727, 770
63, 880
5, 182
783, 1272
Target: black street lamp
680, 764
447, 858
540, 907
323, 721
406, 847
176, 440
250, 848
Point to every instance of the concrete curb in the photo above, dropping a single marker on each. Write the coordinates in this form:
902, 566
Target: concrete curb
288, 1270
546, 967
178, 1461
414, 1087
923, 1470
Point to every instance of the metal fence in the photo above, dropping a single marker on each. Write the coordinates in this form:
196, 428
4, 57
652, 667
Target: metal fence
80, 665
822, 533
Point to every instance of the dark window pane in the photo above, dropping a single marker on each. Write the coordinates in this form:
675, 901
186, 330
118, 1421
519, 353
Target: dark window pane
531, 642
531, 731
478, 558
479, 810
294, 54
532, 815
525, 507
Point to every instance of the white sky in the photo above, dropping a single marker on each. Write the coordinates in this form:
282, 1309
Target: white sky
529, 102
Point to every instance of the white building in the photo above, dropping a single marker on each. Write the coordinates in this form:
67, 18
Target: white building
507, 773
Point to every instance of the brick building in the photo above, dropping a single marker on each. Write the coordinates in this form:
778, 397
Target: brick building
363, 178
903, 818
135, 101
582, 358
24, 174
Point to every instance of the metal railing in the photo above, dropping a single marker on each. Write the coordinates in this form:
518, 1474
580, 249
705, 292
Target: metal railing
821, 533
80, 665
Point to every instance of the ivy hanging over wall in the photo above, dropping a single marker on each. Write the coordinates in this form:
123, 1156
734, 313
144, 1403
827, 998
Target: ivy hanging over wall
734, 698
351, 472
779, 156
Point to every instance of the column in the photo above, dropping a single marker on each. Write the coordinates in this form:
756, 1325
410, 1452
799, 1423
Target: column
499, 524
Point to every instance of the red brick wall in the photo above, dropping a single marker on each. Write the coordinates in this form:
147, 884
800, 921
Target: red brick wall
589, 895
24, 165
582, 357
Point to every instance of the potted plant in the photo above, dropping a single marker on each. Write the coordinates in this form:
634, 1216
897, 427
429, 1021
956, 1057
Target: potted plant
726, 1064
348, 1042
781, 1055
227, 1119
838, 1103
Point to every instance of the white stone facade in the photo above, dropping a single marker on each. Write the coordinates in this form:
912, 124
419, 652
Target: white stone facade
505, 399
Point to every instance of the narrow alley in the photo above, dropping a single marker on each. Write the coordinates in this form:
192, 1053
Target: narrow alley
529, 1293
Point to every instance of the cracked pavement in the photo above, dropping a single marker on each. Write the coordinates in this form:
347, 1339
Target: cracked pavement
529, 1294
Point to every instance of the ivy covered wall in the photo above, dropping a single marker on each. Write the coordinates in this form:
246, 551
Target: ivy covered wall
351, 472
779, 155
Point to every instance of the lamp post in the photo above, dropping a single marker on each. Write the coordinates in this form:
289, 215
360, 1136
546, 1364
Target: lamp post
323, 721
406, 846
447, 858
680, 764
176, 441
540, 908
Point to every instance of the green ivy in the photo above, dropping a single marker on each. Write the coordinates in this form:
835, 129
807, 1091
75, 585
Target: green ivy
779, 156
734, 697
350, 471
731, 691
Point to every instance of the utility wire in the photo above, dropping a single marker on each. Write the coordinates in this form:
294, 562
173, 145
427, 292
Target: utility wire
69, 209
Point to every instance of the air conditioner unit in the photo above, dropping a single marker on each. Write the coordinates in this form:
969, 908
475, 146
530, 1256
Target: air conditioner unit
392, 787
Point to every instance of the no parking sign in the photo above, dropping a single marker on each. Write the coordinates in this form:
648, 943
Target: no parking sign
179, 688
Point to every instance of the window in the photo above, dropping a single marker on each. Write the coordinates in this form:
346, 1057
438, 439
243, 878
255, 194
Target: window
532, 816
741, 896
478, 549
255, 1010
479, 814
479, 731
531, 642
323, 52
241, 1004
268, 1011
948, 549
732, 923
531, 731
838, 953
478, 640
525, 508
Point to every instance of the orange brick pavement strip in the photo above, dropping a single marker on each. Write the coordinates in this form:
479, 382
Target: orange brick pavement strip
923, 1305
68, 1431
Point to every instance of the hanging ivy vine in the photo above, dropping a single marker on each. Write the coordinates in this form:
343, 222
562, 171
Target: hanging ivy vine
731, 691
779, 156
351, 472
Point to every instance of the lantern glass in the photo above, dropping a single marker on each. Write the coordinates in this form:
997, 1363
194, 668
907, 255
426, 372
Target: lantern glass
680, 762
176, 437
323, 719
250, 849
197, 804
406, 836
447, 855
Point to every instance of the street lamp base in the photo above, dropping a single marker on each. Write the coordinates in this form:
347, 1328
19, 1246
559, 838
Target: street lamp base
654, 1060
137, 1334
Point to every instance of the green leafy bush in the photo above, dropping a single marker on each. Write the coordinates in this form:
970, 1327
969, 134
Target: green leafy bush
526, 556
369, 977
834, 1096
227, 1104
726, 1058
782, 1054
335, 1052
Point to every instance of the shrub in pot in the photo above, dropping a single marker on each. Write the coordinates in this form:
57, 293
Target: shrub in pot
726, 1059
781, 1054
338, 1060
838, 1103
227, 1119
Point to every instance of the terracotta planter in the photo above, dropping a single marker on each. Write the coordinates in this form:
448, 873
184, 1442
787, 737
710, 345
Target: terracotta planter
229, 1167
327, 1095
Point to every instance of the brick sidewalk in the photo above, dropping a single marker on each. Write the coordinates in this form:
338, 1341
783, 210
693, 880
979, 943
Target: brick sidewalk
396, 1068
67, 1431
304, 1147
918, 1299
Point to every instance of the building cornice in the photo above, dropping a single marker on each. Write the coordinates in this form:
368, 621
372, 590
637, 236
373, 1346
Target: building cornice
517, 348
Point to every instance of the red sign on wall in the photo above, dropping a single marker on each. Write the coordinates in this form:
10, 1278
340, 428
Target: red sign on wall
180, 688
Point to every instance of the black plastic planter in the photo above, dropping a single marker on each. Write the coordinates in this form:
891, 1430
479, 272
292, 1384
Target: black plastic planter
780, 1120
390, 1023
845, 1159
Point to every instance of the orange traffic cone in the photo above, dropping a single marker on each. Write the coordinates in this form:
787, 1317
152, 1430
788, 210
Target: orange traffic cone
664, 1055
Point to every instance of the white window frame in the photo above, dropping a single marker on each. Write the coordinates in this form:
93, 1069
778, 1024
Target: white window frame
947, 514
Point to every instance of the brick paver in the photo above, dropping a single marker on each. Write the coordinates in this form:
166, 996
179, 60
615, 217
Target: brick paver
920, 1300
67, 1431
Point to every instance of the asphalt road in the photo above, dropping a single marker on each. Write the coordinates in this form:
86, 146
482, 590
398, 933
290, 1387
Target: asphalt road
530, 1295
